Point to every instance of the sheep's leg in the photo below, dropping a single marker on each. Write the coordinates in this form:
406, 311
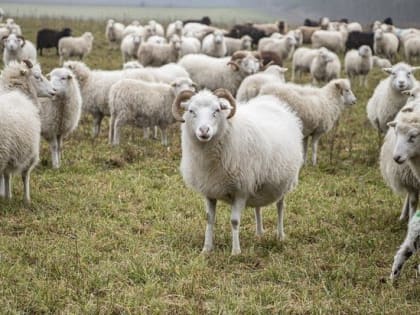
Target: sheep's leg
97, 120
54, 152
7, 186
164, 136
280, 213
156, 135
111, 129
413, 202
60, 148
365, 81
258, 222
2, 185
406, 208
409, 246
235, 220
146, 133
305, 148
116, 133
315, 139
26, 190
211, 218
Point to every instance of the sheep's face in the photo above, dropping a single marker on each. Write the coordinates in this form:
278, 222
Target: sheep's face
41, 84
250, 64
80, 70
407, 131
246, 42
324, 55
176, 42
401, 77
13, 43
60, 79
291, 41
178, 26
347, 95
379, 33
218, 38
136, 39
205, 116
365, 51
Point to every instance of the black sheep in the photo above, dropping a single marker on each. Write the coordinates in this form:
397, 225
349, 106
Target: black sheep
204, 20
47, 38
240, 30
309, 22
357, 39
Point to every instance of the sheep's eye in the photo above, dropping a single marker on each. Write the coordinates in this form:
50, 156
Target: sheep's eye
411, 138
408, 74
216, 112
191, 112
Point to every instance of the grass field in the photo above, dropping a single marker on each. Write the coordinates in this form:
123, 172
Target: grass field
115, 231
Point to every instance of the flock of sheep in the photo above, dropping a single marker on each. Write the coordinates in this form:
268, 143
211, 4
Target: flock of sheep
232, 101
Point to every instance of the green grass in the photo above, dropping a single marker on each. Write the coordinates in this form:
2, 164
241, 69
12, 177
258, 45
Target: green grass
115, 231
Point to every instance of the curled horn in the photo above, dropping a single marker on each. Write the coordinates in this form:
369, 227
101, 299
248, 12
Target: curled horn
223, 93
235, 57
176, 105
4, 37
23, 40
28, 63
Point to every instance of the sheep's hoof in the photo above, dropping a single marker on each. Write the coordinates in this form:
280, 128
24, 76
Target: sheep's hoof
206, 250
281, 236
236, 251
259, 234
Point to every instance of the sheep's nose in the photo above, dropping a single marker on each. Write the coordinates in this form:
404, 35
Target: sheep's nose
204, 130
398, 159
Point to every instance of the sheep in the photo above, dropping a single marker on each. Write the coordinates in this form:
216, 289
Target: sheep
212, 73
159, 54
283, 47
156, 28
132, 65
251, 85
297, 33
21, 126
204, 20
143, 104
75, 46
359, 63
129, 46
190, 45
235, 44
412, 49
197, 30
325, 66
318, 108
307, 32
270, 28
174, 28
13, 27
165, 74
302, 60
238, 30
388, 99
156, 39
136, 29
214, 44
47, 38
218, 137
381, 62
60, 115
114, 32
333, 40
354, 27
309, 22
16, 48
356, 39
385, 44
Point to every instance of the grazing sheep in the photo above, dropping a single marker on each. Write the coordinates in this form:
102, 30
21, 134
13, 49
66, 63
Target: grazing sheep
412, 49
221, 72
21, 126
318, 108
332, 40
114, 32
388, 99
214, 44
235, 44
159, 54
381, 62
325, 66
16, 48
385, 44
144, 105
282, 47
251, 85
60, 115
174, 28
134, 64
47, 38
218, 137
302, 60
359, 63
357, 39
75, 46
129, 46
189, 45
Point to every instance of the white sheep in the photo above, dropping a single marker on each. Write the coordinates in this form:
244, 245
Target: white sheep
21, 126
359, 63
218, 137
75, 46
114, 32
325, 66
388, 99
129, 46
159, 54
318, 108
60, 115
13, 27
302, 60
385, 44
354, 27
332, 40
412, 49
156, 28
174, 28
189, 45
283, 47
235, 44
134, 64
212, 73
251, 85
381, 62
144, 105
136, 29
16, 48
214, 44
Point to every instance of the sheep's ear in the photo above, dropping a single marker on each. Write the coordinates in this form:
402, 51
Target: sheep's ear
338, 86
392, 124
387, 70
69, 77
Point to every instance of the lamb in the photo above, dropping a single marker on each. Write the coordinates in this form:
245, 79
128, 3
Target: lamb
189, 45
60, 115
412, 49
282, 47
159, 54
318, 108
21, 126
75, 46
47, 38
251, 85
16, 48
174, 28
114, 32
302, 60
388, 99
143, 104
218, 137
214, 44
235, 44
221, 72
381, 62
385, 44
134, 64
359, 63
333, 40
325, 66
129, 46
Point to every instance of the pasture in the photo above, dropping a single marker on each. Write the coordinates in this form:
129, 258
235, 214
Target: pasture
115, 230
